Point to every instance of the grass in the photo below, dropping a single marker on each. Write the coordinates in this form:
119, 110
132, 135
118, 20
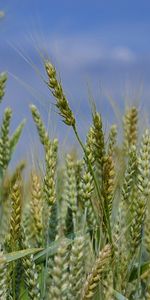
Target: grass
81, 230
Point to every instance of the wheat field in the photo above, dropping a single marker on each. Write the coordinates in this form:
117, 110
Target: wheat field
81, 229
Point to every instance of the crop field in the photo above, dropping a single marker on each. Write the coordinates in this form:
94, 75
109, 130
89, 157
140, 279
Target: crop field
79, 229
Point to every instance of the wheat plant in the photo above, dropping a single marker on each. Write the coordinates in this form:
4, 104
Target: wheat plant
79, 229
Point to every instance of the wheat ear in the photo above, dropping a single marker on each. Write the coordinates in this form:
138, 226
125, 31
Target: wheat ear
3, 277
76, 266
139, 202
3, 79
60, 284
43, 134
30, 272
37, 209
61, 101
98, 270
15, 220
130, 121
4, 139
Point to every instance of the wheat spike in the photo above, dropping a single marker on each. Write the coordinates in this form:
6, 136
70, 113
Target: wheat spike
3, 79
112, 140
57, 91
43, 134
108, 182
3, 277
130, 128
98, 270
49, 179
37, 209
15, 220
139, 202
59, 286
4, 139
98, 149
76, 266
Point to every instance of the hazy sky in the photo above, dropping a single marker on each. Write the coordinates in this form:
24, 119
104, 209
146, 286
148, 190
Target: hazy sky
103, 46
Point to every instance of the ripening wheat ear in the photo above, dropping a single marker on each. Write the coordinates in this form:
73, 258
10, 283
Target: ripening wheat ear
120, 228
15, 220
108, 183
130, 128
93, 279
3, 79
3, 277
37, 209
98, 147
60, 275
30, 273
43, 134
139, 203
49, 185
112, 140
4, 139
71, 188
61, 101
76, 267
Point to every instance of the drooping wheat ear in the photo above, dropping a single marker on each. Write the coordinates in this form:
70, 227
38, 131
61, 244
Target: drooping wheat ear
76, 267
3, 277
139, 202
15, 219
4, 139
3, 78
43, 134
30, 272
71, 187
130, 128
49, 179
112, 140
57, 91
93, 279
37, 209
108, 182
60, 283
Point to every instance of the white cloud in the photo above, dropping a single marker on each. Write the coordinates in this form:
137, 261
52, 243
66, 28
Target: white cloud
123, 54
78, 51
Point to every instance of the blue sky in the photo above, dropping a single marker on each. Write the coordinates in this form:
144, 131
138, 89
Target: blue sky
103, 46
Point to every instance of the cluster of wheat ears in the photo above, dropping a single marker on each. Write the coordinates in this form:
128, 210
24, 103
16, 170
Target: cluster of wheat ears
82, 231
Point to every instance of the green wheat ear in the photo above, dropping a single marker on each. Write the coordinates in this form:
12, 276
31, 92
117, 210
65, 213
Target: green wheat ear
5, 153
57, 91
3, 79
43, 134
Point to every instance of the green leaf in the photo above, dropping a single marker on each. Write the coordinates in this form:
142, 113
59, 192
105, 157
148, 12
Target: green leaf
51, 250
19, 254
143, 269
16, 136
